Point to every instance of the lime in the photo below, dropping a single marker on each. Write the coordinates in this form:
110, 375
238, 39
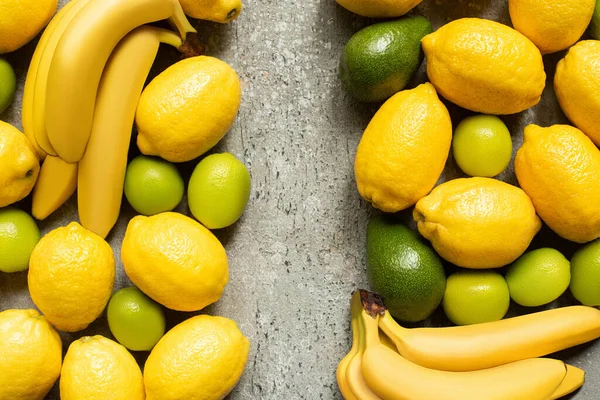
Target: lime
153, 185
8, 85
135, 320
18, 236
482, 145
595, 25
474, 297
585, 274
219, 190
538, 277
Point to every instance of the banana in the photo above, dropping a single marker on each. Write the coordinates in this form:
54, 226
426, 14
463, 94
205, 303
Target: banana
55, 184
31, 79
80, 58
392, 377
102, 168
343, 365
475, 347
574, 379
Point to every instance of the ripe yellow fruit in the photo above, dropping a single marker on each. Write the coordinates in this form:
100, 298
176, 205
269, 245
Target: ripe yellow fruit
577, 84
21, 21
379, 8
477, 222
71, 276
552, 25
221, 11
31, 353
202, 358
404, 149
175, 261
484, 66
187, 109
559, 168
19, 165
97, 368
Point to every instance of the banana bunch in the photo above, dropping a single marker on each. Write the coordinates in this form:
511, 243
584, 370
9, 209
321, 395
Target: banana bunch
81, 93
492, 361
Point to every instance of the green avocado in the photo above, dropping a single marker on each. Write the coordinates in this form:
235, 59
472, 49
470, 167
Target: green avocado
404, 270
595, 25
379, 60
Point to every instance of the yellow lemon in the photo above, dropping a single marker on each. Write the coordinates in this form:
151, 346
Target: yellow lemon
221, 11
175, 260
552, 25
577, 84
559, 168
96, 368
202, 358
484, 66
20, 165
31, 353
21, 21
404, 149
71, 276
187, 109
477, 222
379, 8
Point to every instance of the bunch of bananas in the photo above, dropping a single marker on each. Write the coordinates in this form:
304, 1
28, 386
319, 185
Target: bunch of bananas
492, 361
81, 93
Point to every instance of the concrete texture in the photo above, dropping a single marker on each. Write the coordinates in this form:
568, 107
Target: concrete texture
298, 252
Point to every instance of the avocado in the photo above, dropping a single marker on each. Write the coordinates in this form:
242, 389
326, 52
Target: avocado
379, 60
595, 25
403, 269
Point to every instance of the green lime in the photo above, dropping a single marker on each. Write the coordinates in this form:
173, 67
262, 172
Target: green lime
135, 320
8, 85
595, 25
379, 60
219, 190
585, 274
538, 277
482, 146
476, 296
18, 236
403, 269
153, 185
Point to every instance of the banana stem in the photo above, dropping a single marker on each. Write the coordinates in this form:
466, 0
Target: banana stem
372, 303
168, 37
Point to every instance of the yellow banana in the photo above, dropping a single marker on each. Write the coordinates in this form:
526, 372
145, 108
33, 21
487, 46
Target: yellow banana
102, 168
475, 347
392, 377
31, 80
80, 58
55, 184
343, 365
573, 380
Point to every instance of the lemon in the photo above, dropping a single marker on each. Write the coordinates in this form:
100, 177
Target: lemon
96, 368
585, 274
202, 358
18, 236
221, 11
187, 109
484, 66
175, 260
20, 165
153, 185
477, 222
482, 145
21, 21
135, 320
404, 149
379, 8
559, 168
71, 276
219, 190
538, 277
577, 83
475, 297
8, 85
552, 25
31, 355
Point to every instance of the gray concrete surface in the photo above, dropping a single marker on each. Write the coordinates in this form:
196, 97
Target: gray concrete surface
298, 252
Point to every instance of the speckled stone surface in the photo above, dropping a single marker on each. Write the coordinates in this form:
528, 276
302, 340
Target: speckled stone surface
299, 251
